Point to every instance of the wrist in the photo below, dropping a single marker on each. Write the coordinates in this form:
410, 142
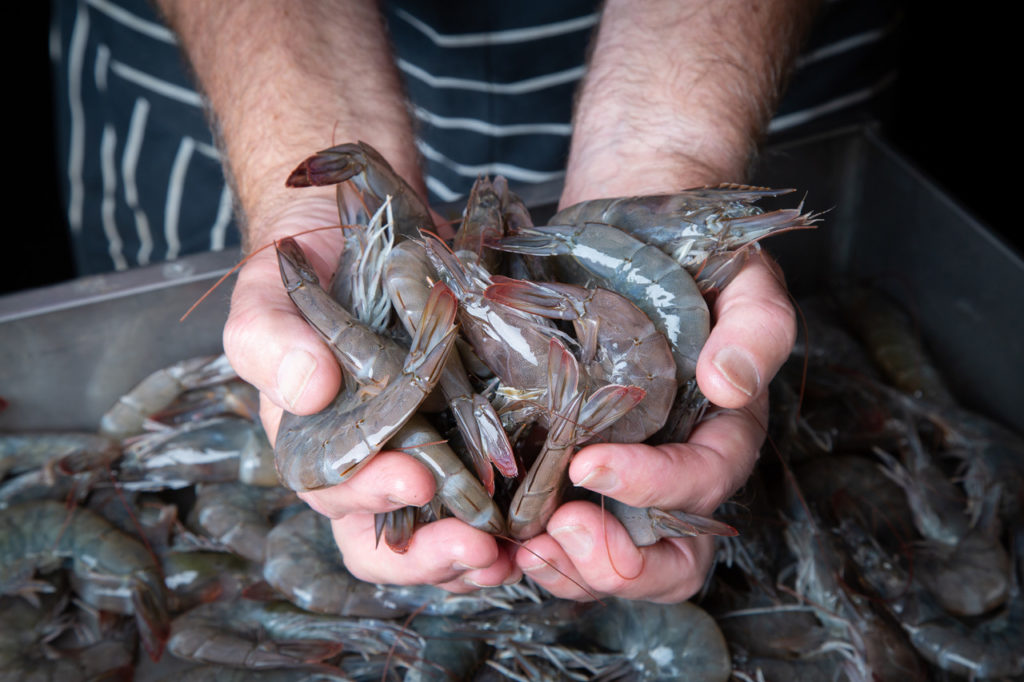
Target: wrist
677, 94
291, 212
637, 168
284, 81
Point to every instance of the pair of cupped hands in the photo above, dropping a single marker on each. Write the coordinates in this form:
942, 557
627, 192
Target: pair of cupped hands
585, 553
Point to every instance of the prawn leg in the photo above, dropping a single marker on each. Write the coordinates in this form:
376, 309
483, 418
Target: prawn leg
396, 527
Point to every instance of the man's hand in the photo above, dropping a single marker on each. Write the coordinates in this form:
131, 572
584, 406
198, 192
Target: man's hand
591, 552
676, 96
284, 80
275, 349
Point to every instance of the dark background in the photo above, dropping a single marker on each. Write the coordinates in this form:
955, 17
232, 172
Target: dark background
950, 115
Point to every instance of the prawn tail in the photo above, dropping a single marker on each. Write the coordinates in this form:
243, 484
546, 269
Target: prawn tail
493, 438
531, 297
396, 527
563, 376
678, 524
608, 404
151, 618
295, 267
463, 411
435, 335
327, 167
485, 438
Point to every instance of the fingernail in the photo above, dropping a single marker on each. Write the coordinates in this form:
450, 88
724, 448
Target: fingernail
512, 579
459, 566
294, 374
575, 540
738, 368
600, 480
400, 502
472, 583
541, 572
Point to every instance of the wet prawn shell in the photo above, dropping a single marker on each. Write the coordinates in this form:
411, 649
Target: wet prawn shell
664, 642
631, 351
651, 279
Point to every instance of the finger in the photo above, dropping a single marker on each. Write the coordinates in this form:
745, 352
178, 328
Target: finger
695, 476
606, 561
391, 480
438, 553
271, 346
501, 572
754, 331
546, 563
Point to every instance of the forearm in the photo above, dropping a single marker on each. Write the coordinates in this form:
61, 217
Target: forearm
678, 93
287, 79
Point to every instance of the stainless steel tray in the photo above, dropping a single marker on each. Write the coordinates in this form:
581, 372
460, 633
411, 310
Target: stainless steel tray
67, 351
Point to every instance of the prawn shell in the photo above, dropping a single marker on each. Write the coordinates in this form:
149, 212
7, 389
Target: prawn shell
663, 642
111, 569
693, 225
620, 345
601, 255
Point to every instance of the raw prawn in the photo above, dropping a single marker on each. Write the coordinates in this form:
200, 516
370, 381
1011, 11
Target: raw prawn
303, 563
693, 226
619, 345
601, 255
255, 634
113, 570
159, 390
329, 447
456, 488
407, 274
538, 496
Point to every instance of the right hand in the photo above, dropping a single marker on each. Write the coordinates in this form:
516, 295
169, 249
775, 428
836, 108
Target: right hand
272, 347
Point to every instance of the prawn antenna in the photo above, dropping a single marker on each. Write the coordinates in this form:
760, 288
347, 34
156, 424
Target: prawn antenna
245, 260
394, 645
608, 550
548, 563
